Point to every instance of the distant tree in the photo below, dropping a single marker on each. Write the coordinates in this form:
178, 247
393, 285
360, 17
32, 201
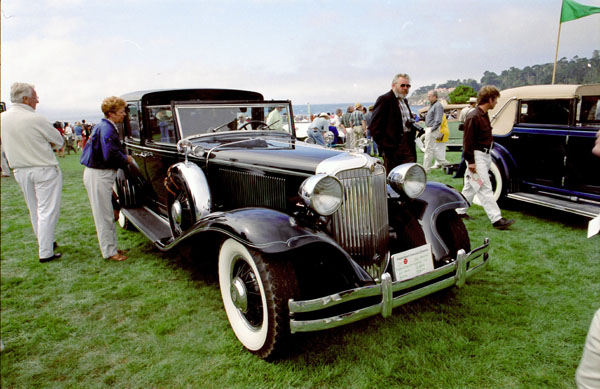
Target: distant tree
461, 94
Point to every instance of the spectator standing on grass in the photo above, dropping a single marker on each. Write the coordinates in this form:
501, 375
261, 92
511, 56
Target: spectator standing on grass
337, 122
477, 144
433, 121
346, 123
359, 126
102, 156
60, 152
392, 124
29, 140
78, 131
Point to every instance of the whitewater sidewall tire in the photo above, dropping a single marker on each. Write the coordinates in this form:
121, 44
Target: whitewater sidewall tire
262, 323
497, 183
124, 223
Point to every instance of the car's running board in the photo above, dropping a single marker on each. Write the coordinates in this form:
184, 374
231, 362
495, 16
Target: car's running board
153, 226
584, 209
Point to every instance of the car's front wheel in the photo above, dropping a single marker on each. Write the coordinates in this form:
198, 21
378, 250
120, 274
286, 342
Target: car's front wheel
255, 292
181, 208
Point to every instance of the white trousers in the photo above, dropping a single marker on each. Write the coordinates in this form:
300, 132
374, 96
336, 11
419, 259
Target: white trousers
483, 191
99, 184
433, 149
42, 187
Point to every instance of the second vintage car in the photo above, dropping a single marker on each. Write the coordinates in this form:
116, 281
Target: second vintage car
305, 238
543, 140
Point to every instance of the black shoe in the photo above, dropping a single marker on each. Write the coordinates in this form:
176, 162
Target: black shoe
52, 258
465, 216
503, 223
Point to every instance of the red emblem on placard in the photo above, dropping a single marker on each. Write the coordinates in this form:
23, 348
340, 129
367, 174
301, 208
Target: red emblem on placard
405, 261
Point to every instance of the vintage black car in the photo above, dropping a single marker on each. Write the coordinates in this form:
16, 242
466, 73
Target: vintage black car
543, 140
306, 238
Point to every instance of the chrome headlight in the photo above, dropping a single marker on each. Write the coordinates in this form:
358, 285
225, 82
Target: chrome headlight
322, 193
409, 178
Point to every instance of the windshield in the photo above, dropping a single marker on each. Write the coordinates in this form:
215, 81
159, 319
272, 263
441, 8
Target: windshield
197, 119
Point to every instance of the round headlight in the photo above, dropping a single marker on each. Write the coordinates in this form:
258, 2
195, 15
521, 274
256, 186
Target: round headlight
322, 193
409, 178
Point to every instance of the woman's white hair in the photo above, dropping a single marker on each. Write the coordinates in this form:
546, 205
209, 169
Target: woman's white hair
18, 90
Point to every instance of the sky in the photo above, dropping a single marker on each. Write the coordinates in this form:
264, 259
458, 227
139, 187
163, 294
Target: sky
77, 52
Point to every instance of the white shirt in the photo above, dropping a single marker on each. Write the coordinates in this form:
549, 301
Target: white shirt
274, 120
27, 137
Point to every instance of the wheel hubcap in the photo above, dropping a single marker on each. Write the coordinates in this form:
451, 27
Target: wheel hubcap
239, 295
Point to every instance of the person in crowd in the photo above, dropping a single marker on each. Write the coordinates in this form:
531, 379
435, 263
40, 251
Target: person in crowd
433, 121
346, 123
392, 124
69, 139
439, 153
588, 371
102, 155
29, 140
337, 122
85, 134
462, 166
318, 127
274, 119
477, 144
359, 126
59, 127
78, 131
372, 146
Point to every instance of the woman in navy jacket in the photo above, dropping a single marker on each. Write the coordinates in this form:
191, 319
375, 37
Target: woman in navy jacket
102, 155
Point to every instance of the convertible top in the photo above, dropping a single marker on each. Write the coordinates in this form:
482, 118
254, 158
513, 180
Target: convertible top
503, 115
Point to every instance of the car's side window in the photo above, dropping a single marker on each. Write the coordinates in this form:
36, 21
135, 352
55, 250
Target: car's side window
554, 111
134, 120
161, 125
590, 111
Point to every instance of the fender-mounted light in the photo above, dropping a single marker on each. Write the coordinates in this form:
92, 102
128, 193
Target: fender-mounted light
409, 178
322, 193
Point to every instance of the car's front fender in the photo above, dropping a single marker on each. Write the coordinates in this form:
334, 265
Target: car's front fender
438, 198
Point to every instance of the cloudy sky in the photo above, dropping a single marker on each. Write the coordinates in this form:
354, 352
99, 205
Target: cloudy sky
77, 52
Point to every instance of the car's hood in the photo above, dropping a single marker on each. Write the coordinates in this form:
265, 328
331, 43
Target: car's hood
286, 155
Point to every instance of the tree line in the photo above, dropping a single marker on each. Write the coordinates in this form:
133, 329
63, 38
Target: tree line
574, 71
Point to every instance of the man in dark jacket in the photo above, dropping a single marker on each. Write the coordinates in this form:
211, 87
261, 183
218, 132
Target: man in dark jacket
392, 125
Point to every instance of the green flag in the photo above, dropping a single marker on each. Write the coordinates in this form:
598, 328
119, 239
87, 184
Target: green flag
572, 10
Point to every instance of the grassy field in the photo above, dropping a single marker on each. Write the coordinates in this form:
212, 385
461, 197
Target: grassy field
157, 320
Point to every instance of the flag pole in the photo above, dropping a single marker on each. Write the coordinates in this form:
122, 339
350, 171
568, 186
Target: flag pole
556, 55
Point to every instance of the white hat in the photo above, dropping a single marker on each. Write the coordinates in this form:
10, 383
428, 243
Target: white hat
324, 114
472, 100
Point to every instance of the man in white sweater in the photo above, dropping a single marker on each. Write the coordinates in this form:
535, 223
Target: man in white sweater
28, 140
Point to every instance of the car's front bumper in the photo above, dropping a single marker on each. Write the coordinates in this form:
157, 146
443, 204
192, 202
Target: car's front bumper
386, 289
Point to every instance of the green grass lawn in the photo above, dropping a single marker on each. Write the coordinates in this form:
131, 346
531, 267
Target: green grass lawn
156, 320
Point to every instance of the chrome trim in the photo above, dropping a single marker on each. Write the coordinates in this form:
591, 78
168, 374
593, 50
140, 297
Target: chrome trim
345, 161
384, 289
361, 224
198, 184
502, 108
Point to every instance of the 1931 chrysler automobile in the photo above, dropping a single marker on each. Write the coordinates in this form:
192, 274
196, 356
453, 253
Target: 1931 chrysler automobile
306, 238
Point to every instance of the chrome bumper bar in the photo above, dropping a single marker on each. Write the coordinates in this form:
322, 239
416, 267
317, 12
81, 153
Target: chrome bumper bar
386, 289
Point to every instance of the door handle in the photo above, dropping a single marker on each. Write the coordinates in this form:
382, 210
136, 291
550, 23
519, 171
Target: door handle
143, 154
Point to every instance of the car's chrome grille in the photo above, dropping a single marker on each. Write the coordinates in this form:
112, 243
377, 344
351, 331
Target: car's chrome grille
361, 224
244, 189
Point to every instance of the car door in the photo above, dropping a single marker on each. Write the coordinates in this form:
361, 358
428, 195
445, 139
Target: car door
583, 168
160, 152
538, 142
133, 136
